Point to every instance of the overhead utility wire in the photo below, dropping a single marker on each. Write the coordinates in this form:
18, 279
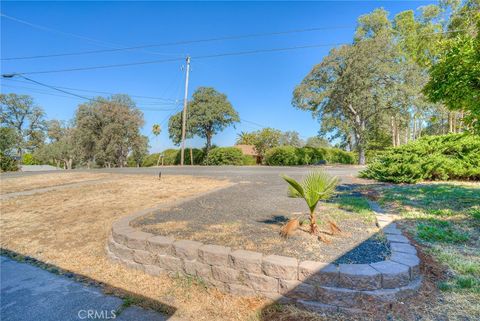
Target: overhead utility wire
48, 93
163, 100
92, 40
74, 94
238, 53
147, 62
182, 42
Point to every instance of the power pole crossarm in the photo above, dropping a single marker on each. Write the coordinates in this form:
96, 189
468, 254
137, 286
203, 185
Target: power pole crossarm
184, 114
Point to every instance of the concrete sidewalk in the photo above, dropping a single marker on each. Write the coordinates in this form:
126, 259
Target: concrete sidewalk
29, 293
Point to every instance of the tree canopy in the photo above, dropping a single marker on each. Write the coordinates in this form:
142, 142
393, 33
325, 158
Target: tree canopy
20, 113
208, 113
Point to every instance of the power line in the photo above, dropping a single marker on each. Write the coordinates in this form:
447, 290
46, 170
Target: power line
37, 91
183, 42
92, 40
237, 53
164, 100
80, 96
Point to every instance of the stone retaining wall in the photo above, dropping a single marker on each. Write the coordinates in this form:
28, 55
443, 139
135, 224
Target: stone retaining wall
313, 285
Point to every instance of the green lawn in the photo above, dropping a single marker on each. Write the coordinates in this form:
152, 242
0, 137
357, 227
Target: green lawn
445, 220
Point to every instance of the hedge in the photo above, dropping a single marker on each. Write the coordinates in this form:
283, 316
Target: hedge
172, 157
7, 163
291, 156
452, 156
339, 156
225, 156
29, 159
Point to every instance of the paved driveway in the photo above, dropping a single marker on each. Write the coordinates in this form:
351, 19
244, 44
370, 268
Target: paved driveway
29, 293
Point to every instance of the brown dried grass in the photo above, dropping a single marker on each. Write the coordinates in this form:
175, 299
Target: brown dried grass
68, 229
17, 184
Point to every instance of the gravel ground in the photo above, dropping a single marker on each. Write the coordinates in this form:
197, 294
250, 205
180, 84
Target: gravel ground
249, 215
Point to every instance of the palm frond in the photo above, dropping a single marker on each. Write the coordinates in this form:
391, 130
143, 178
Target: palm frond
315, 186
294, 188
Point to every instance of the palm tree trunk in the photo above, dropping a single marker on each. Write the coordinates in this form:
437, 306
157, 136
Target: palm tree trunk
313, 223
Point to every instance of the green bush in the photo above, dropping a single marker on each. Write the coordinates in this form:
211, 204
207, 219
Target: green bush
225, 156
281, 156
198, 156
290, 156
29, 159
172, 157
310, 155
249, 160
453, 156
7, 163
339, 156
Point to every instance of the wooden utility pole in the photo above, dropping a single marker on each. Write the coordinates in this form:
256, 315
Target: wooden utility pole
184, 114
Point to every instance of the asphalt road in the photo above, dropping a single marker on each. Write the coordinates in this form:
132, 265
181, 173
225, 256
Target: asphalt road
346, 172
29, 293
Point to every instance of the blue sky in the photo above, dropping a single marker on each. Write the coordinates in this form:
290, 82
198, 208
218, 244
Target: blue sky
259, 86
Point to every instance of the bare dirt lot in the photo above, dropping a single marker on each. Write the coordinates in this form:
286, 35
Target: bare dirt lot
68, 229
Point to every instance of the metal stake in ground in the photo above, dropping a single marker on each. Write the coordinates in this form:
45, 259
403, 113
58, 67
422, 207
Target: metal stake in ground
184, 114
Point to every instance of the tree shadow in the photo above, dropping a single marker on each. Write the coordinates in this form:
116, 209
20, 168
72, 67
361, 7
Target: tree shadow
427, 197
166, 310
275, 220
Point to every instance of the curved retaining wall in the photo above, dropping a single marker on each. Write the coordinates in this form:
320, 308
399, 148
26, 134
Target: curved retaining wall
314, 285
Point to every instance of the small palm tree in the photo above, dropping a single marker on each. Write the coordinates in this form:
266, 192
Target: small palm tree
156, 130
315, 186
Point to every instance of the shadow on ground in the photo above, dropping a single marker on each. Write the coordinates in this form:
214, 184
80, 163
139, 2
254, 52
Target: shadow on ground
72, 296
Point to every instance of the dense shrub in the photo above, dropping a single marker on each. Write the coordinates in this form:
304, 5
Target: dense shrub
7, 163
172, 157
249, 160
225, 156
281, 156
310, 156
198, 156
289, 156
29, 159
453, 156
339, 156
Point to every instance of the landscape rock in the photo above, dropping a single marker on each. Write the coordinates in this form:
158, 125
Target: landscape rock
186, 249
318, 273
260, 282
359, 277
297, 289
160, 245
394, 274
280, 267
214, 254
246, 261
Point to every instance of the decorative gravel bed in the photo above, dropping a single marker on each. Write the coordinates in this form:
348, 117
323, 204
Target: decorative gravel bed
249, 215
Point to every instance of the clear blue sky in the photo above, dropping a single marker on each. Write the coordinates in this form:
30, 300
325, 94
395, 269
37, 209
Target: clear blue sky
259, 86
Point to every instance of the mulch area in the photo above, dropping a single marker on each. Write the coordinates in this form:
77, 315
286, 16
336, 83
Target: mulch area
249, 216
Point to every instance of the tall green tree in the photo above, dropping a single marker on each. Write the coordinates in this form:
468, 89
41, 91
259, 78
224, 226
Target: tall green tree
350, 86
455, 77
265, 139
107, 130
291, 138
20, 113
209, 112
317, 142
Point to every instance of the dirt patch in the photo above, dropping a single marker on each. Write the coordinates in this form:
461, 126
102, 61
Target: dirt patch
68, 229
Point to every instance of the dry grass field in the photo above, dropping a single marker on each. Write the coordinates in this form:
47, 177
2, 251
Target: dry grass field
68, 229
13, 184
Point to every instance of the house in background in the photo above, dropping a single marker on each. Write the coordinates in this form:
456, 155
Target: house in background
249, 150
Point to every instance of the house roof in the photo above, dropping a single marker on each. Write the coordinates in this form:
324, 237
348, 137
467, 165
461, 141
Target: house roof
247, 149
